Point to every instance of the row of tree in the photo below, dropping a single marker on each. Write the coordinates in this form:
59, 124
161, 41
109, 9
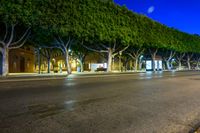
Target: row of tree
82, 25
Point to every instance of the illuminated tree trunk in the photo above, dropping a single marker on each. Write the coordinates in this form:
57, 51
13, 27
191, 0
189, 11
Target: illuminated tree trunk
188, 63
179, 58
69, 71
82, 66
136, 64
168, 65
140, 65
197, 66
153, 64
189, 57
110, 52
179, 65
5, 62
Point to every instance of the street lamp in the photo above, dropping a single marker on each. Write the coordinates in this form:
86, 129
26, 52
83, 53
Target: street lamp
120, 54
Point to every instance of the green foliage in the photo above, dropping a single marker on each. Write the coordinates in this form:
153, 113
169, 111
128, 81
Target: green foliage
95, 22
18, 11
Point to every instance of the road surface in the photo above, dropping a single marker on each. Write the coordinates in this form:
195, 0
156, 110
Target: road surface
109, 103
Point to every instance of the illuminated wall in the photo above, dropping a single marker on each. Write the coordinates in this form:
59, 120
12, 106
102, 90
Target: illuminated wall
21, 60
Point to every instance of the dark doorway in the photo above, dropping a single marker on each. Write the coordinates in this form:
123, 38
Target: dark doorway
22, 64
1, 64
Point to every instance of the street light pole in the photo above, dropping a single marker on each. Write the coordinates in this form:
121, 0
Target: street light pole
120, 54
39, 60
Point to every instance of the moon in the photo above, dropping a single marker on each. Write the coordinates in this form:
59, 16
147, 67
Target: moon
150, 9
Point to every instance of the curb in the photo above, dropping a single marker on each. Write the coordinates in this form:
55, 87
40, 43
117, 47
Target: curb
31, 78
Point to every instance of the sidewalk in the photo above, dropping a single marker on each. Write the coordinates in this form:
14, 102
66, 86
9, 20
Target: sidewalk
36, 74
31, 76
12, 77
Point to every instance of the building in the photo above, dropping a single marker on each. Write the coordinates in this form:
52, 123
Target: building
22, 60
25, 60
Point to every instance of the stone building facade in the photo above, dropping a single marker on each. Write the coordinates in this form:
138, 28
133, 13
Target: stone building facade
22, 60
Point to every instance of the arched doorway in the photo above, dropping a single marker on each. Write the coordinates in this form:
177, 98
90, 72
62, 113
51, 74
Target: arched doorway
22, 64
1, 64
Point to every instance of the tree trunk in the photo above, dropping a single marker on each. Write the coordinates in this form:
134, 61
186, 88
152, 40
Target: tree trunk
188, 63
168, 65
49, 66
153, 64
169, 60
82, 68
179, 65
189, 57
140, 65
136, 64
179, 59
164, 65
5, 62
172, 67
126, 66
81, 64
120, 62
109, 60
197, 67
69, 71
153, 56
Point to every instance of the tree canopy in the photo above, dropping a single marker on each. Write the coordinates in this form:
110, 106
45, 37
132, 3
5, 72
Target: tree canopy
96, 22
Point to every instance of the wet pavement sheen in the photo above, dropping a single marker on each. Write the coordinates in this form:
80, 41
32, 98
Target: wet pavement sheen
127, 103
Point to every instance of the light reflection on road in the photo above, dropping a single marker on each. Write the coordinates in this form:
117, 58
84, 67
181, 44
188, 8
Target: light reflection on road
69, 105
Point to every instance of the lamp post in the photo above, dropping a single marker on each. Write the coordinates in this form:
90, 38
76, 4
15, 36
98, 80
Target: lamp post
120, 54
39, 60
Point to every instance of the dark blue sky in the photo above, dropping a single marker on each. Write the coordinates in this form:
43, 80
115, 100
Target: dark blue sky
180, 14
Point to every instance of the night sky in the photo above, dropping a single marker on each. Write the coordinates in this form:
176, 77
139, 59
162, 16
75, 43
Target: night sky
180, 14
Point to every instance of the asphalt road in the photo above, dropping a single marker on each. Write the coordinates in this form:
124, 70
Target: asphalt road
109, 103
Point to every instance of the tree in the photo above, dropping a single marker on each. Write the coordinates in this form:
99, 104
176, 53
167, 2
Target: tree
179, 58
16, 16
189, 57
108, 28
57, 18
197, 60
47, 53
135, 53
65, 47
167, 57
80, 53
42, 40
